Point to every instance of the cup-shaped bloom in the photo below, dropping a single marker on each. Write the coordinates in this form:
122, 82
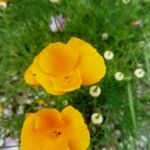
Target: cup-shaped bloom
60, 68
49, 129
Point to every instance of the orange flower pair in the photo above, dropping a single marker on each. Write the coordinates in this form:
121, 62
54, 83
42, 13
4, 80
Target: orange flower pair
60, 68
49, 129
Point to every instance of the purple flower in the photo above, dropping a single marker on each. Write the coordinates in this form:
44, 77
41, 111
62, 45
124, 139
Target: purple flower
57, 23
10, 144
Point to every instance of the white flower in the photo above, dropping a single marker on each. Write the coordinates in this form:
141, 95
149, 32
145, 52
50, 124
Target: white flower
142, 43
28, 101
141, 143
96, 118
104, 36
138, 23
3, 99
144, 139
148, 45
1, 142
139, 73
36, 97
119, 76
139, 65
117, 133
121, 145
52, 103
54, 1
20, 110
126, 1
41, 93
7, 112
65, 102
3, 4
95, 91
108, 55
57, 23
15, 78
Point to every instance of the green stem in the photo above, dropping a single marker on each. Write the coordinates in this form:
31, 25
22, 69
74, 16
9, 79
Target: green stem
94, 104
131, 105
147, 63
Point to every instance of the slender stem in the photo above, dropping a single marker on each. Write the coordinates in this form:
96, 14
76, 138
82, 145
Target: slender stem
131, 105
147, 57
94, 104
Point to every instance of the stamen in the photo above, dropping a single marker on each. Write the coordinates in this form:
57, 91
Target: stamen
54, 133
68, 78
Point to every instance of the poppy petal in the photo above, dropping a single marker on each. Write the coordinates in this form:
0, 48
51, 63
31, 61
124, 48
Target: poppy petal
29, 136
58, 59
29, 77
67, 82
38, 129
59, 144
44, 79
91, 64
79, 138
48, 118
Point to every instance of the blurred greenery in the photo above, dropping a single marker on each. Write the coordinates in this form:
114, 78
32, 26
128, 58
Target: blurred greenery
25, 31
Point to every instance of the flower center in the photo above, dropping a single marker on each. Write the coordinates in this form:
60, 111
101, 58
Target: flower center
95, 89
54, 133
68, 78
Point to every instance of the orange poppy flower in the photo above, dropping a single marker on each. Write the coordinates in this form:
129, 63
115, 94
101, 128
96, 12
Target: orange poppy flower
60, 68
49, 129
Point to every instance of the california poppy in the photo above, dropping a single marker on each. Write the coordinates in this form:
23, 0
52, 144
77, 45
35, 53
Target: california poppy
49, 129
60, 68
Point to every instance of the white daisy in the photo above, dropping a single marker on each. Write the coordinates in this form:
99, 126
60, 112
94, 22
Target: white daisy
144, 139
126, 1
52, 103
7, 112
138, 23
117, 133
3, 99
121, 145
119, 76
104, 36
108, 55
139, 65
20, 110
139, 73
96, 118
3, 4
1, 142
65, 102
95, 91
54, 1
28, 101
